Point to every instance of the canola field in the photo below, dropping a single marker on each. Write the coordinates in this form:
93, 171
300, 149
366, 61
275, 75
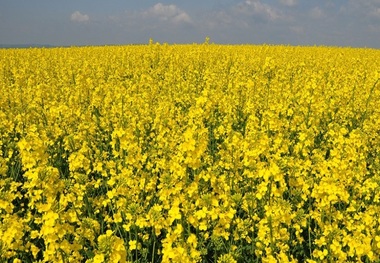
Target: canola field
190, 153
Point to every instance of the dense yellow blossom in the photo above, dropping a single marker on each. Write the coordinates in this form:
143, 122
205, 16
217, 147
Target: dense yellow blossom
190, 153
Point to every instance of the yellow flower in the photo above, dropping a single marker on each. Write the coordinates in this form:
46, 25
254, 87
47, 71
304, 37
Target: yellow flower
99, 258
226, 258
200, 214
132, 245
174, 213
203, 226
192, 240
273, 148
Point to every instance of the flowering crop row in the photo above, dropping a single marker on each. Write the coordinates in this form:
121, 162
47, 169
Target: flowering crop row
190, 153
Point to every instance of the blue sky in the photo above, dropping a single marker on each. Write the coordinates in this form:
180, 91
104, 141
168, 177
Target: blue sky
100, 22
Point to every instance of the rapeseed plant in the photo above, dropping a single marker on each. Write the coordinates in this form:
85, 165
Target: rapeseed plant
189, 153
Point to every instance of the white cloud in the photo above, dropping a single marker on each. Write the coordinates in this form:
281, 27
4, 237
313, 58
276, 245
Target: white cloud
257, 9
79, 17
297, 29
376, 12
371, 2
289, 2
256, 21
317, 13
360, 8
170, 13
217, 19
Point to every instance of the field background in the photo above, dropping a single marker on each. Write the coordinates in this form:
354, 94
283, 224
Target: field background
190, 153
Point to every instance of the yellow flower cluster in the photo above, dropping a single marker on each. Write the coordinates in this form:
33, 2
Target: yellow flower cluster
190, 153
